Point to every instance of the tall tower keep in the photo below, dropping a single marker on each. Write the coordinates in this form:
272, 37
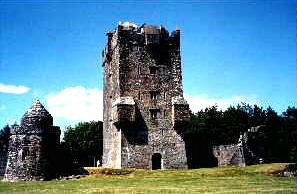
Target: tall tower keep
144, 106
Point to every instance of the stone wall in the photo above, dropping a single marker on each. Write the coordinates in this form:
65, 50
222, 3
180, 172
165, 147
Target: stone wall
242, 153
143, 63
229, 155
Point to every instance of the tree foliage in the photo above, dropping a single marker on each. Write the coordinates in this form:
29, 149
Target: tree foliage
4, 137
84, 142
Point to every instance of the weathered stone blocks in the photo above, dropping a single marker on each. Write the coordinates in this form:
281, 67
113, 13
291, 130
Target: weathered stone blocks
229, 155
123, 110
180, 110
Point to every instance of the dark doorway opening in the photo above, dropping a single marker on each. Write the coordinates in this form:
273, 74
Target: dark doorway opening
156, 161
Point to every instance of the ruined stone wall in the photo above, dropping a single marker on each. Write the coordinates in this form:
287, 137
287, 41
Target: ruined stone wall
148, 69
242, 153
232, 154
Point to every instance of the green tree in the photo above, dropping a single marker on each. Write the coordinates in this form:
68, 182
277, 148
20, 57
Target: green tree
235, 121
4, 137
290, 127
273, 137
84, 141
200, 137
257, 117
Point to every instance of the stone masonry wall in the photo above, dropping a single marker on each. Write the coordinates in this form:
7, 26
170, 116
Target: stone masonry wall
229, 155
112, 137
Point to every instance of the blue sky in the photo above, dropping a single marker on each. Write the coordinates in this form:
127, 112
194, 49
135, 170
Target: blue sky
232, 51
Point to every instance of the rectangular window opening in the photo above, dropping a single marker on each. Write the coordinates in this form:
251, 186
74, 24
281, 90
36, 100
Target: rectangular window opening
155, 95
153, 70
154, 113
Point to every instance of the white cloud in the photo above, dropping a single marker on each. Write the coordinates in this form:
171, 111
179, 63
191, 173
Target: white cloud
203, 101
11, 89
76, 104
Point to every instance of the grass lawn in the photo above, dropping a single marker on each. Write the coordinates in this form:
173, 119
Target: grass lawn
251, 179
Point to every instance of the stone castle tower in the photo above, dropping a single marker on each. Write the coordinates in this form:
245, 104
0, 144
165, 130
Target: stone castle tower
143, 99
32, 146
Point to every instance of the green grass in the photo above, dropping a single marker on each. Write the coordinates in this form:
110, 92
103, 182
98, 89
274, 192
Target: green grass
251, 179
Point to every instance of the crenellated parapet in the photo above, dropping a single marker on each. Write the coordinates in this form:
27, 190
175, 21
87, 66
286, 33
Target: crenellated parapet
130, 37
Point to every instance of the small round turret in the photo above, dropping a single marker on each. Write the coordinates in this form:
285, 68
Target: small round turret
33, 146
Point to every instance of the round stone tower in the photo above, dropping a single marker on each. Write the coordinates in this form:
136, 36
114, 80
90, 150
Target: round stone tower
32, 146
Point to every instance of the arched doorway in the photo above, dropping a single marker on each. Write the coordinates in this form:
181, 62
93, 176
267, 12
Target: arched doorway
156, 161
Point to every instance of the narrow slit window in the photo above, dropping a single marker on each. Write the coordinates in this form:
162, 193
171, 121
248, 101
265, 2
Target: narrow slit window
25, 153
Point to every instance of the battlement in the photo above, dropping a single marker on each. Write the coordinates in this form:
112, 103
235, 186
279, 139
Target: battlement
130, 36
145, 30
